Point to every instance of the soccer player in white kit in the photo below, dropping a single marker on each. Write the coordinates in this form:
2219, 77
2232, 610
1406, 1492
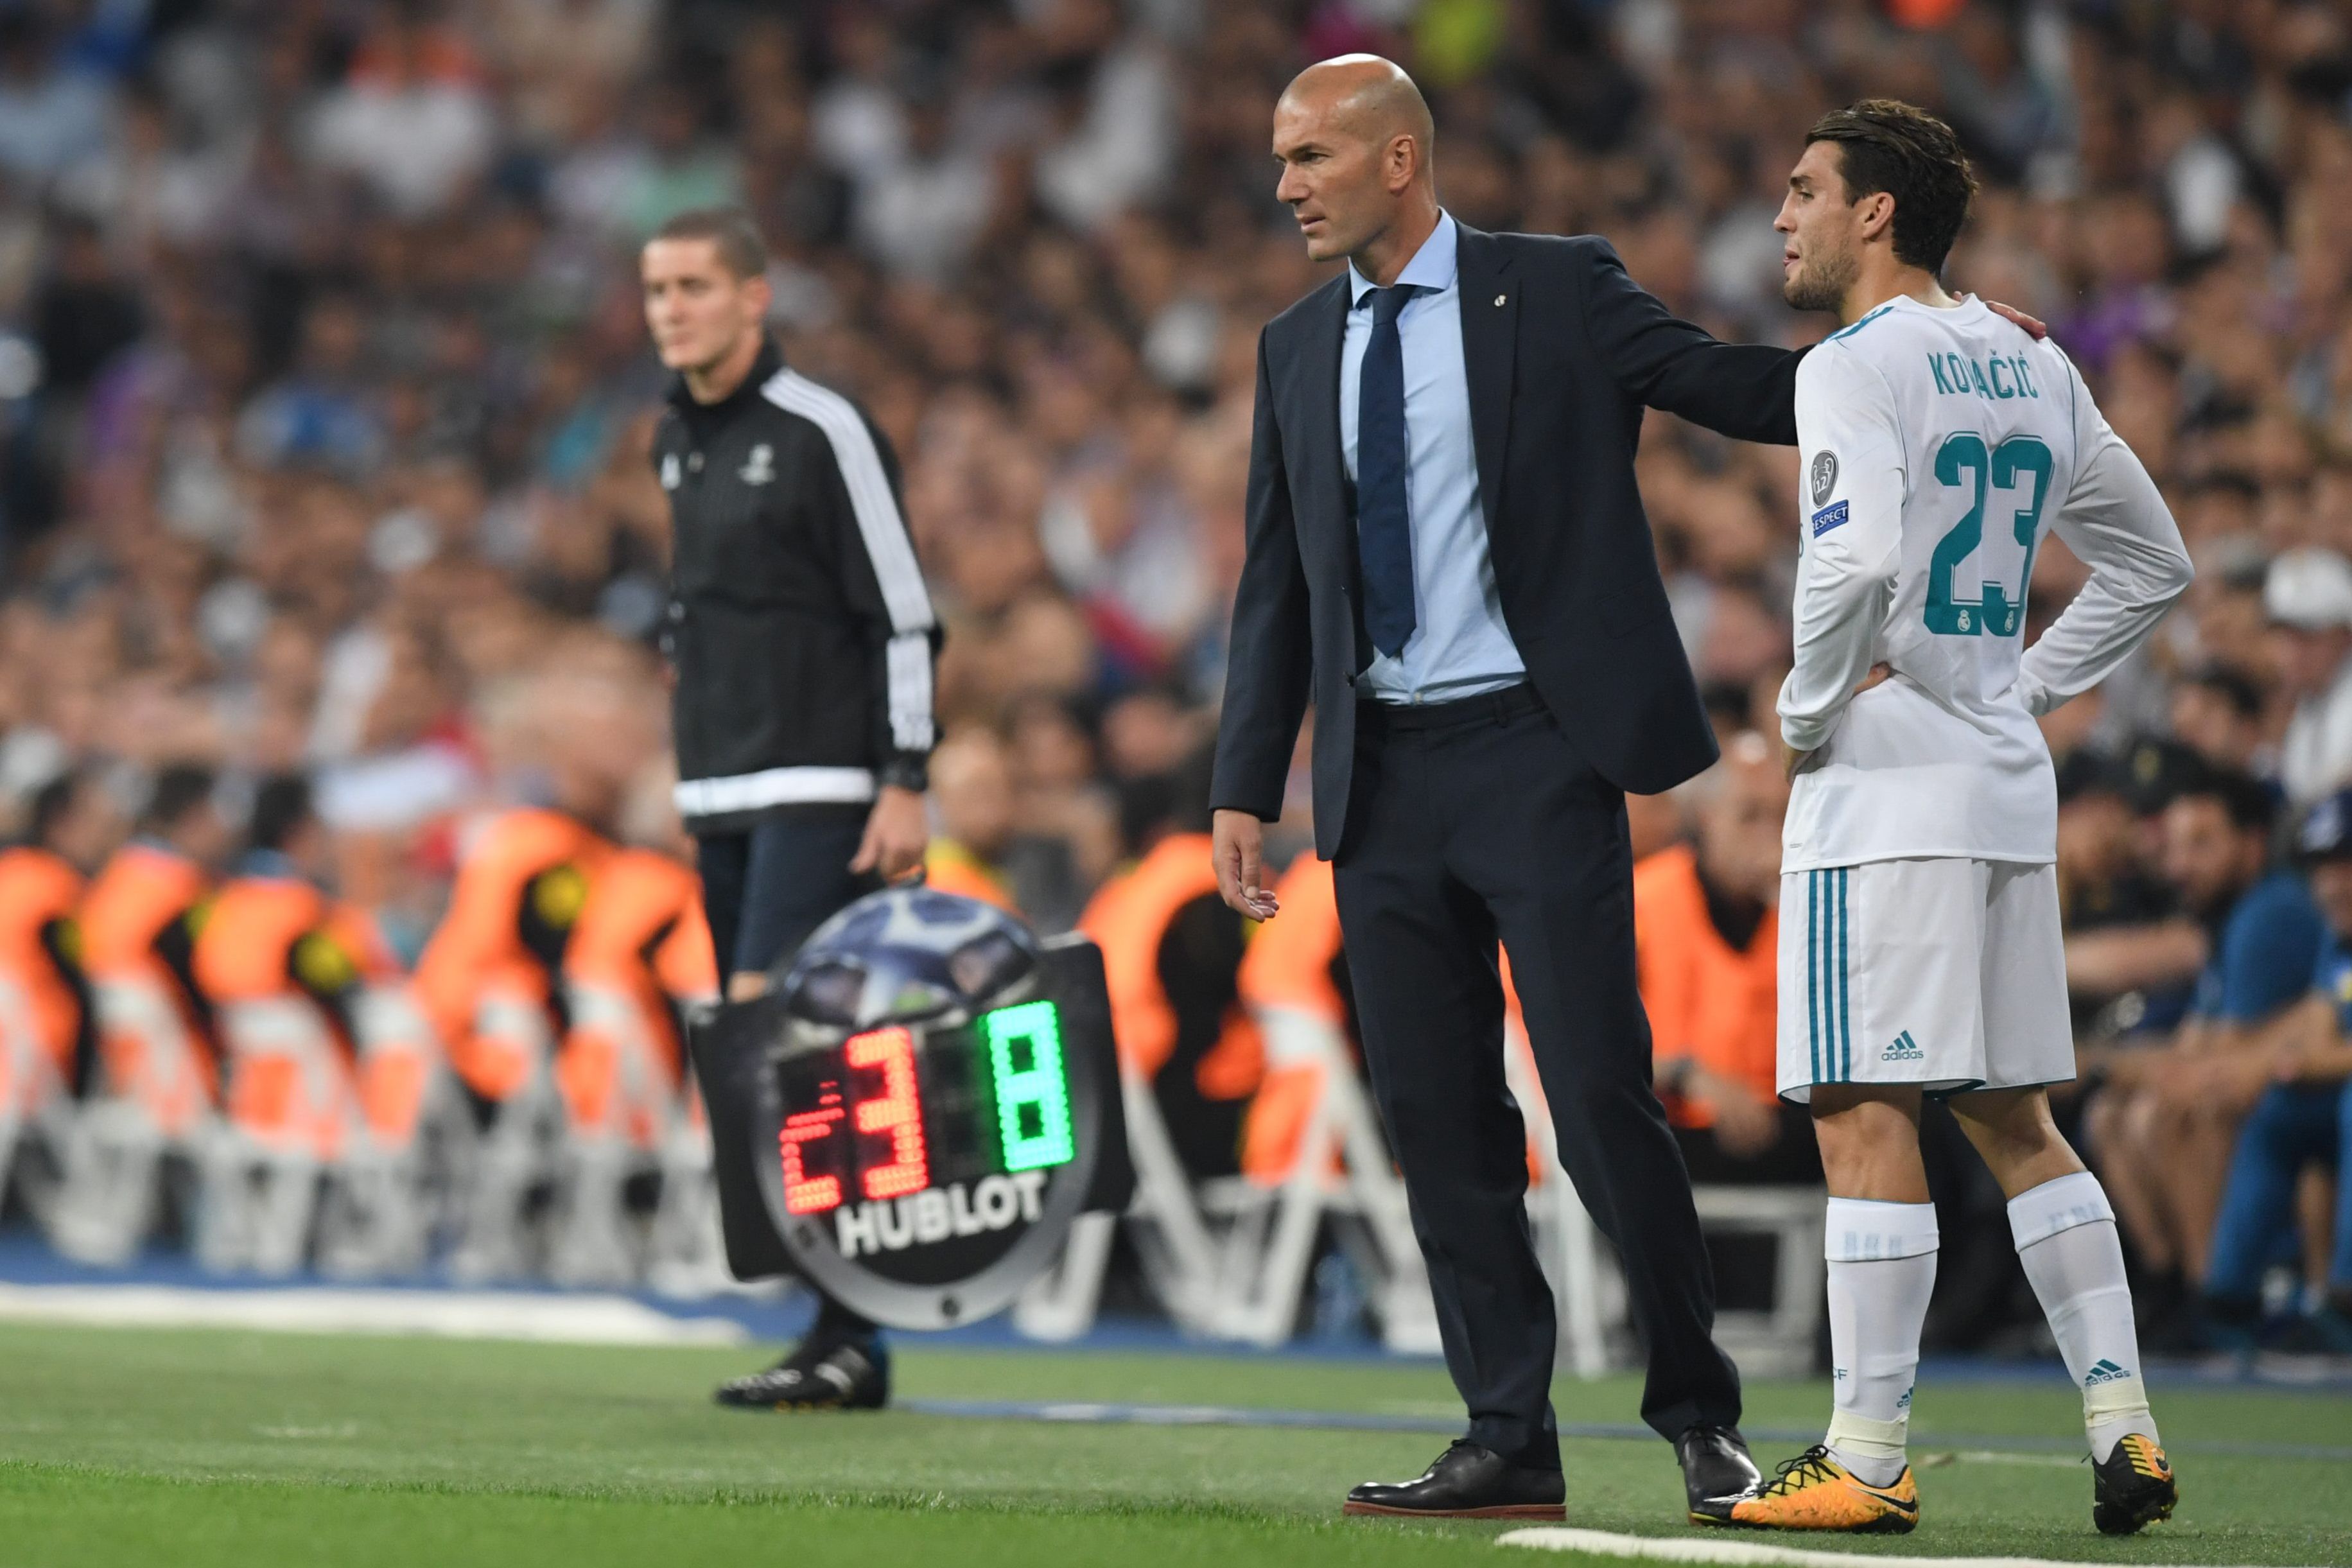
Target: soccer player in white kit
1920, 950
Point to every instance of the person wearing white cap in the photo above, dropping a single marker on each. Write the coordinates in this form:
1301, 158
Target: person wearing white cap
2309, 598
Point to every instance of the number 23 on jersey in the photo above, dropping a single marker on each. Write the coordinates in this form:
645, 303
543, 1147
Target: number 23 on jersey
2019, 465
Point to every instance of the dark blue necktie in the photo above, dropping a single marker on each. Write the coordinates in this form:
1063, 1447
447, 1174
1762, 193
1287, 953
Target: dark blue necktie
1383, 527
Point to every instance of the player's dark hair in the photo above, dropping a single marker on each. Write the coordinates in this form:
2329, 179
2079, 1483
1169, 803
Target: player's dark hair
2249, 803
1884, 144
180, 788
280, 806
741, 249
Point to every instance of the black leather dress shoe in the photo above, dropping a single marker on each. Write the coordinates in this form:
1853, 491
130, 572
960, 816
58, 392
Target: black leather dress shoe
1467, 1481
1717, 1471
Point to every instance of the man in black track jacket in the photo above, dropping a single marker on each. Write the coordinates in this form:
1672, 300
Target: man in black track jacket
803, 642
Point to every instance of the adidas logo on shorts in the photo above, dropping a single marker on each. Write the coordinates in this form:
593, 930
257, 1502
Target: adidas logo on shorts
2105, 1371
1902, 1048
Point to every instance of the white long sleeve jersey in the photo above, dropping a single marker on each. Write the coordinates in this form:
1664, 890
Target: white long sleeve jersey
1939, 446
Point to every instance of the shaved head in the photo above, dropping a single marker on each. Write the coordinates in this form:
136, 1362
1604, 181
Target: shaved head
1368, 97
1354, 137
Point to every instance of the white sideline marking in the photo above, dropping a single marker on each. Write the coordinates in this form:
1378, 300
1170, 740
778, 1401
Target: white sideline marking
1607, 1544
600, 1319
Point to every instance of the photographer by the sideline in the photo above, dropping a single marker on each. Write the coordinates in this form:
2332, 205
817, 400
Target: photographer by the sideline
804, 643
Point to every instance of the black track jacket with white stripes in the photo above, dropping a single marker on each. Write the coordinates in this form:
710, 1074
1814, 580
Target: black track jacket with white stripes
799, 626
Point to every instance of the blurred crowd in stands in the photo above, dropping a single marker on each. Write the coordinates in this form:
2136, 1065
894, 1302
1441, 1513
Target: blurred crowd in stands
324, 400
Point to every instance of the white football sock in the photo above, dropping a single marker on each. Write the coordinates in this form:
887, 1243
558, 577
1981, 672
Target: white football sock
2066, 1238
1882, 1265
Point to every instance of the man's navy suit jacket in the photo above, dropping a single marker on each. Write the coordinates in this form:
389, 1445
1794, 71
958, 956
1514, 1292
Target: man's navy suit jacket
1563, 353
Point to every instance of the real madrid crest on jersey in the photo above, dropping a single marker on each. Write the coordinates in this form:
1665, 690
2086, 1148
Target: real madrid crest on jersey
669, 474
762, 467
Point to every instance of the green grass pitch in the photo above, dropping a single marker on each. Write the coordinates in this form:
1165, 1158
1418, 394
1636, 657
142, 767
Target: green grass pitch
215, 1447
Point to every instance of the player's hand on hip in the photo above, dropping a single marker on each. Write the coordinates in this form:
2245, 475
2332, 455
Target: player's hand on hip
1239, 847
1795, 761
2032, 326
898, 831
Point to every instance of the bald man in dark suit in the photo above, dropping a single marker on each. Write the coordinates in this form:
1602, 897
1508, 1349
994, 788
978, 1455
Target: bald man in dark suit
1447, 555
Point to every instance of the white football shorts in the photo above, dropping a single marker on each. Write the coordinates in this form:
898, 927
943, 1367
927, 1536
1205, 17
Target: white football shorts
1947, 974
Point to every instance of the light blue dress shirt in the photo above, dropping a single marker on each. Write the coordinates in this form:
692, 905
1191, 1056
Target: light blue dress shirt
1459, 646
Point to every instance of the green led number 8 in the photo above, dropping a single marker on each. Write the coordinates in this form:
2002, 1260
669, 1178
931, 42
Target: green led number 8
1962, 459
1033, 1097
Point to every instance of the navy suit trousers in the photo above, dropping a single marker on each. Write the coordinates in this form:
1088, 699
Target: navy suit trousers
1472, 821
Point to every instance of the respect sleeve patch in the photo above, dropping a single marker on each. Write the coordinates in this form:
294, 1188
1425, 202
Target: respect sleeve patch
1829, 516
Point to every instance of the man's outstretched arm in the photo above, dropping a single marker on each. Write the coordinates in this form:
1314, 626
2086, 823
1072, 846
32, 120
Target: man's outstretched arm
1747, 391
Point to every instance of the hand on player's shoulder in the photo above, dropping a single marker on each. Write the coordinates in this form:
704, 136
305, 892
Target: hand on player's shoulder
2032, 326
